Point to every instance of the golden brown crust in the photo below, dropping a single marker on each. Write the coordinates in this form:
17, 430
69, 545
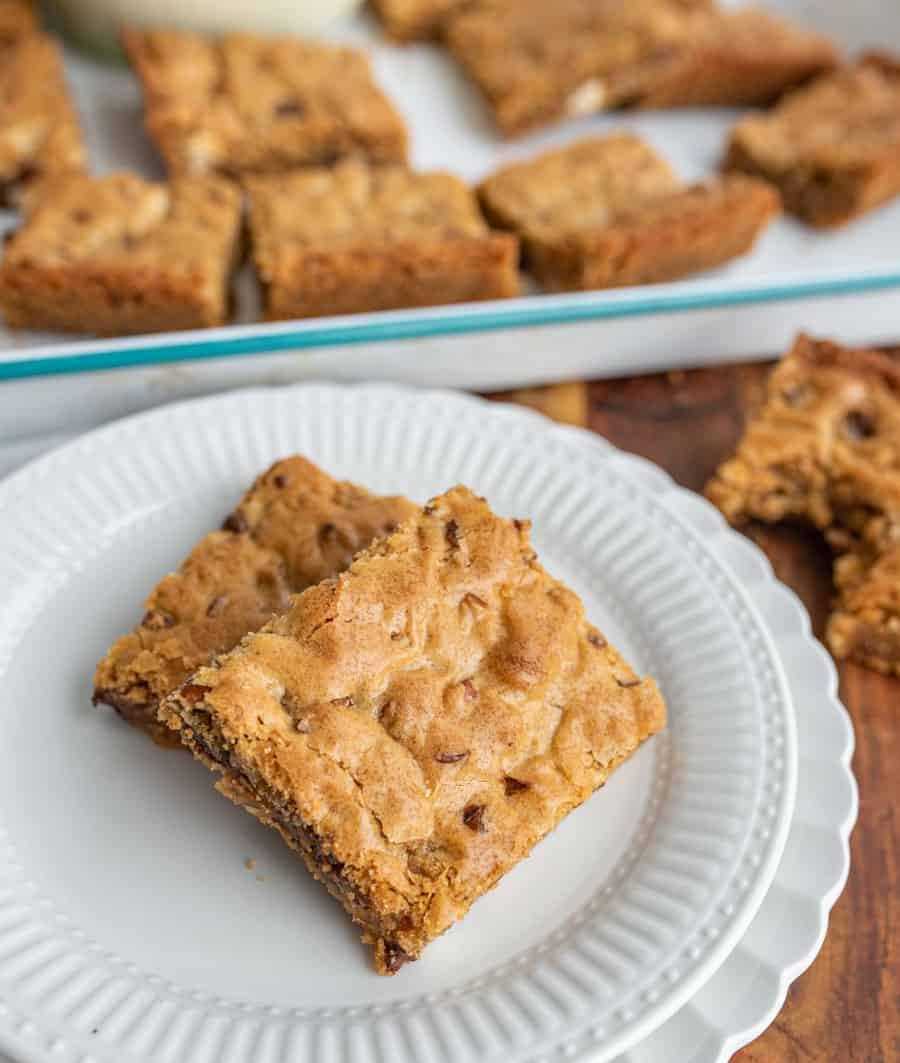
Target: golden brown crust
17, 19
353, 238
537, 62
825, 448
609, 212
415, 20
249, 104
740, 58
832, 148
39, 131
416, 725
294, 527
118, 254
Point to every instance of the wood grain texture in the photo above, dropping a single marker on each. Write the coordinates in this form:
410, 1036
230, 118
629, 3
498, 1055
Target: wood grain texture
847, 1005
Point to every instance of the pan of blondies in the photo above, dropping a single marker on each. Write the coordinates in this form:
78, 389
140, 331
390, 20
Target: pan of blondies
657, 183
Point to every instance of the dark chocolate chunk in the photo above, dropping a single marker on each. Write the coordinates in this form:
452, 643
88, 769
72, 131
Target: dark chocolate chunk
473, 817
235, 522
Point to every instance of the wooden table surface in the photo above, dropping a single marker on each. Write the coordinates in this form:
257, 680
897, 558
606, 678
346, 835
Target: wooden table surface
846, 1007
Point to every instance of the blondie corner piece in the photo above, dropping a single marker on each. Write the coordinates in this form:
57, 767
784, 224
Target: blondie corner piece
415, 20
246, 104
416, 725
536, 62
117, 255
39, 132
354, 238
17, 18
609, 212
294, 527
825, 449
833, 148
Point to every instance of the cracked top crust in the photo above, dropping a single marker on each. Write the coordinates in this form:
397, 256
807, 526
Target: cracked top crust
353, 205
431, 713
122, 222
295, 526
247, 104
577, 187
535, 61
849, 118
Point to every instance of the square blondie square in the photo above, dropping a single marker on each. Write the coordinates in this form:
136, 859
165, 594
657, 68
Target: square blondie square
39, 132
118, 254
355, 238
414, 727
609, 212
833, 148
17, 18
536, 62
245, 104
825, 449
415, 20
741, 58
294, 527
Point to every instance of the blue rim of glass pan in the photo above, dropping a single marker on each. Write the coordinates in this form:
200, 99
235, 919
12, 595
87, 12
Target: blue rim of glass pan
239, 340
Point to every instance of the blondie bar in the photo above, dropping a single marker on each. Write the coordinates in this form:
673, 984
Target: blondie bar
609, 212
415, 20
825, 449
247, 104
536, 62
17, 18
416, 725
39, 131
354, 238
118, 254
833, 148
294, 527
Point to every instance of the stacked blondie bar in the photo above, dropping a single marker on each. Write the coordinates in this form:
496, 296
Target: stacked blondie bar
404, 694
299, 139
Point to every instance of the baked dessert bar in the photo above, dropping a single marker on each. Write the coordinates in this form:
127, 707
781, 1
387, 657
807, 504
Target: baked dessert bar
294, 527
608, 212
39, 131
247, 104
825, 449
416, 725
731, 58
354, 238
536, 62
833, 148
415, 20
17, 18
118, 254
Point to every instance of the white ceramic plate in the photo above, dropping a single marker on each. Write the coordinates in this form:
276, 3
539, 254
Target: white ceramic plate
746, 308
129, 927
